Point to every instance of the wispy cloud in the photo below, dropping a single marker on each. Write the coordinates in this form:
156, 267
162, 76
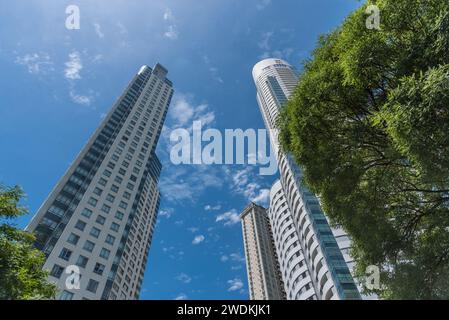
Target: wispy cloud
212, 69
80, 99
228, 218
198, 239
184, 278
36, 63
262, 4
181, 296
171, 31
264, 42
235, 284
212, 208
98, 31
166, 212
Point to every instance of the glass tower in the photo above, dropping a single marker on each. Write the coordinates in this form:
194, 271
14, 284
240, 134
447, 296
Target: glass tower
325, 272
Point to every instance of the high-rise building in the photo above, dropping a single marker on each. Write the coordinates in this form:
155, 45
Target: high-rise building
261, 262
330, 276
96, 225
293, 266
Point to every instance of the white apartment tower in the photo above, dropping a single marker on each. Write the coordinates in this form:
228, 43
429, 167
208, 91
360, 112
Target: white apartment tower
292, 263
100, 217
320, 271
261, 263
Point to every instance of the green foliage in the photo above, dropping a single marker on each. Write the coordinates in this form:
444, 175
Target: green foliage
21, 274
369, 125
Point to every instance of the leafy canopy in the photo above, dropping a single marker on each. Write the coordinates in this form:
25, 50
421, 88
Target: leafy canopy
369, 125
21, 274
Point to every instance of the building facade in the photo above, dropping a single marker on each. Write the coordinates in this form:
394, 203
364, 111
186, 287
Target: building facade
96, 225
293, 266
275, 81
261, 262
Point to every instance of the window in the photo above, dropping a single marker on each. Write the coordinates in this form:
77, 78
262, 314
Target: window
118, 179
105, 208
82, 261
123, 205
104, 253
89, 246
65, 254
86, 212
133, 178
98, 191
99, 268
119, 215
110, 239
107, 173
115, 227
95, 232
102, 182
66, 295
122, 171
92, 286
114, 188
92, 202
111, 165
126, 195
130, 186
73, 239
80, 225
100, 219
110, 198
57, 271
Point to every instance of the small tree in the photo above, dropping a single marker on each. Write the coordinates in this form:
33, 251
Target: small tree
21, 274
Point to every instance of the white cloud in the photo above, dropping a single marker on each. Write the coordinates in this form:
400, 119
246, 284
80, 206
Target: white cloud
235, 284
198, 239
224, 258
263, 197
212, 208
181, 296
184, 278
229, 218
73, 66
193, 229
237, 257
213, 70
166, 212
182, 110
171, 31
80, 99
36, 63
262, 4
122, 29
98, 31
264, 42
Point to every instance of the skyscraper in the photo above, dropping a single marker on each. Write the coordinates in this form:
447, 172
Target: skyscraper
261, 263
293, 266
275, 81
100, 217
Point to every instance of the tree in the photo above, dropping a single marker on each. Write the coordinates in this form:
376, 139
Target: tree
369, 125
21, 274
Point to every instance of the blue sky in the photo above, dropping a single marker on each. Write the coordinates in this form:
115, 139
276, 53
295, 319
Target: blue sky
57, 84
